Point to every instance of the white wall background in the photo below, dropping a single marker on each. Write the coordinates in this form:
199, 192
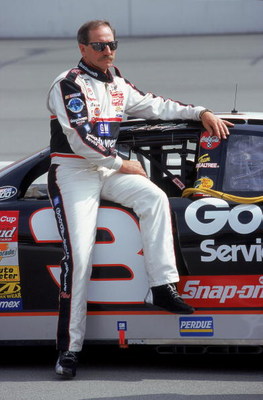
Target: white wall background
62, 18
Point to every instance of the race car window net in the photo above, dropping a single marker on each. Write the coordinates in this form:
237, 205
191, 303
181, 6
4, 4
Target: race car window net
167, 151
244, 164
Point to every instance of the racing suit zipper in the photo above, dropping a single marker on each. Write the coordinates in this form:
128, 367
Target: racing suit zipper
106, 100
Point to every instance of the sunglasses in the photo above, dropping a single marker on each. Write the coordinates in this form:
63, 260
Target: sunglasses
101, 46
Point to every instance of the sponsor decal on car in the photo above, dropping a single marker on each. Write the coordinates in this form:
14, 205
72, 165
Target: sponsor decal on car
204, 183
10, 285
222, 291
211, 251
10, 305
217, 213
204, 158
196, 326
7, 192
206, 165
9, 273
209, 142
9, 226
209, 216
10, 293
6, 251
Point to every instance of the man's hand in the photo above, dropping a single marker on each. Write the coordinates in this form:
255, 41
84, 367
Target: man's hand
215, 126
132, 167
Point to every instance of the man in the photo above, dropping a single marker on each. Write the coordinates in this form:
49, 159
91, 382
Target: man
87, 104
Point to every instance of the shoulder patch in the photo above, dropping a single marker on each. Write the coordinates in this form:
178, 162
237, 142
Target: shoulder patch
73, 74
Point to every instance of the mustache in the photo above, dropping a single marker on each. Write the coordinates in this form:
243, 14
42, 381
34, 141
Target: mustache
106, 57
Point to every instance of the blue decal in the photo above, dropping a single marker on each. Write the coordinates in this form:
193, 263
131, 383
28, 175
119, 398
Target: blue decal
103, 128
75, 105
6, 192
10, 304
122, 325
87, 128
196, 326
56, 201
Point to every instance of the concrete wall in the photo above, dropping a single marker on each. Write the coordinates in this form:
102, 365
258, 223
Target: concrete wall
62, 18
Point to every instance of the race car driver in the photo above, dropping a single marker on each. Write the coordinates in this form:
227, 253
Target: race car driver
87, 104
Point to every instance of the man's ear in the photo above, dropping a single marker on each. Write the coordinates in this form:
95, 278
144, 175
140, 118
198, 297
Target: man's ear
82, 48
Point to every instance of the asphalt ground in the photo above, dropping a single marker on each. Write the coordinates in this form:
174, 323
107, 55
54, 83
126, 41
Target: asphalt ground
201, 70
137, 373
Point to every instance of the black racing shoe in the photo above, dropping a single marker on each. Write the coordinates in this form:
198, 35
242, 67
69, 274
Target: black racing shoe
66, 365
167, 297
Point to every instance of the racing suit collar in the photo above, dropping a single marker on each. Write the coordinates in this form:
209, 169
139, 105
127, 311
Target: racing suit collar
95, 73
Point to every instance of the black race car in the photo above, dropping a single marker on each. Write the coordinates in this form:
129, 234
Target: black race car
215, 192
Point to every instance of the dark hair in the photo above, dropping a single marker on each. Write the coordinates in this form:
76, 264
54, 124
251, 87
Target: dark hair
84, 30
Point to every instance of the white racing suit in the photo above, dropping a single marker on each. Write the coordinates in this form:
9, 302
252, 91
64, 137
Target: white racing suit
86, 108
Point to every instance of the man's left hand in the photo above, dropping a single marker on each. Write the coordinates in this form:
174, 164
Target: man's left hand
215, 126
